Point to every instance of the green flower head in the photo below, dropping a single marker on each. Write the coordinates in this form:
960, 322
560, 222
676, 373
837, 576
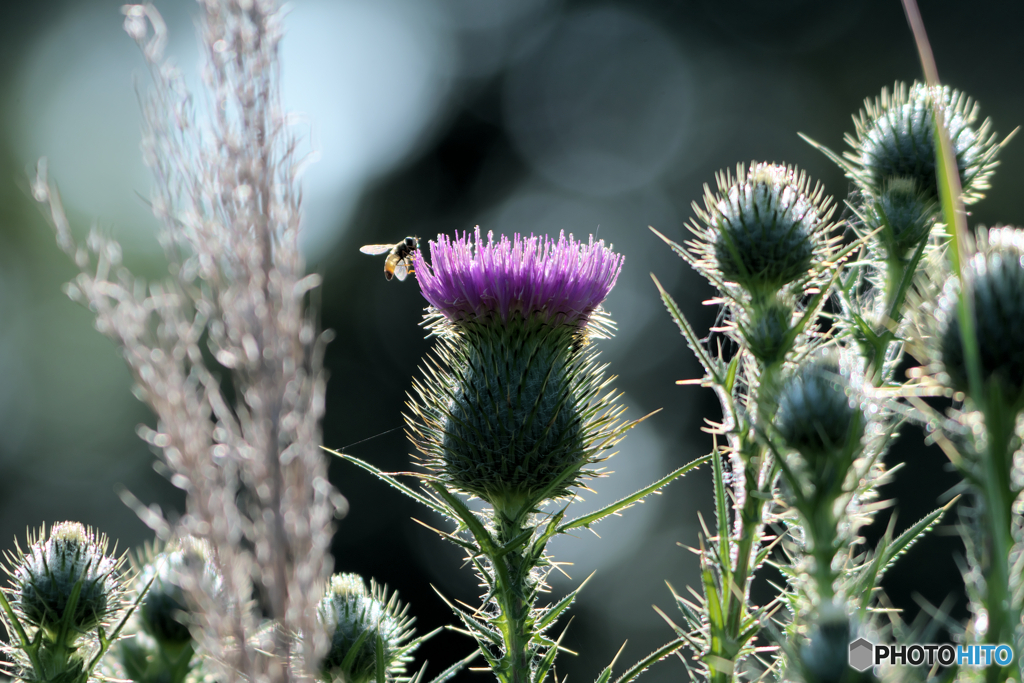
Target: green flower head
996, 276
66, 583
815, 416
360, 622
164, 612
895, 138
768, 334
763, 229
903, 214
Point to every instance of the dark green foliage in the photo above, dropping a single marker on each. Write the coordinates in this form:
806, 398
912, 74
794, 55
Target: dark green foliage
996, 275
514, 413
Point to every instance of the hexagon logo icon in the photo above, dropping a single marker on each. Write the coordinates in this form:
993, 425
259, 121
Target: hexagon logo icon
861, 651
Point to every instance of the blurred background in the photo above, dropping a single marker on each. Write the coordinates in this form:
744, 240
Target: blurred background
433, 116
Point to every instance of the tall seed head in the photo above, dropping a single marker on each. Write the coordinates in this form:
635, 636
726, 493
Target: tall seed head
512, 411
895, 138
359, 621
46, 576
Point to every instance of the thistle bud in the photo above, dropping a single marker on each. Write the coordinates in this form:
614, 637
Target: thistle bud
996, 276
815, 416
763, 230
905, 215
895, 138
824, 657
360, 621
766, 334
513, 412
66, 583
164, 612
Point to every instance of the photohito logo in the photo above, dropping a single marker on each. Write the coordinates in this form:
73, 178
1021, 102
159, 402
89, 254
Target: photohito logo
864, 654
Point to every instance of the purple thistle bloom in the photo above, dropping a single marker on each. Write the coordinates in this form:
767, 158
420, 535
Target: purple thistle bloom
563, 281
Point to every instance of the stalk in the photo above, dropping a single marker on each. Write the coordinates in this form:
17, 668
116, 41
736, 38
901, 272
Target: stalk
515, 597
998, 518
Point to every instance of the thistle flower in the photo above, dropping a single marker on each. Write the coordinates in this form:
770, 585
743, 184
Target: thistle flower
512, 414
895, 137
65, 584
561, 282
164, 612
360, 622
996, 275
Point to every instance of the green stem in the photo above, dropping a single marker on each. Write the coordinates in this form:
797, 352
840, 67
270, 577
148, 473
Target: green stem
823, 527
998, 516
727, 648
515, 596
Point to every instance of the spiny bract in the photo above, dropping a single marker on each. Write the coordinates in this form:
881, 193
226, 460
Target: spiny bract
360, 620
763, 229
895, 137
996, 275
46, 576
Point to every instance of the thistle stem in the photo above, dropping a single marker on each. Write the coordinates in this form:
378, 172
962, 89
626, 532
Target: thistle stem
998, 515
515, 597
822, 527
728, 647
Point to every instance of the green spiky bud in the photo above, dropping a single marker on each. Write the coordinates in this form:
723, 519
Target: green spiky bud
164, 612
895, 137
905, 215
66, 583
361, 621
996, 275
513, 412
767, 334
815, 415
825, 656
763, 229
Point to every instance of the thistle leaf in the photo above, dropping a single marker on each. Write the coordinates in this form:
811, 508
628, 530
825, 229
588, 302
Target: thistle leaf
692, 340
392, 481
645, 663
587, 520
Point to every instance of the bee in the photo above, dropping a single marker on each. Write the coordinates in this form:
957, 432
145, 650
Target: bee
399, 261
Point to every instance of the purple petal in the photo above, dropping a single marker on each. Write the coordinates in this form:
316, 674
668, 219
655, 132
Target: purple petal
562, 280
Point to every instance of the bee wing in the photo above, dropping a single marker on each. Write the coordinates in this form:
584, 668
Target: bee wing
376, 249
402, 270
